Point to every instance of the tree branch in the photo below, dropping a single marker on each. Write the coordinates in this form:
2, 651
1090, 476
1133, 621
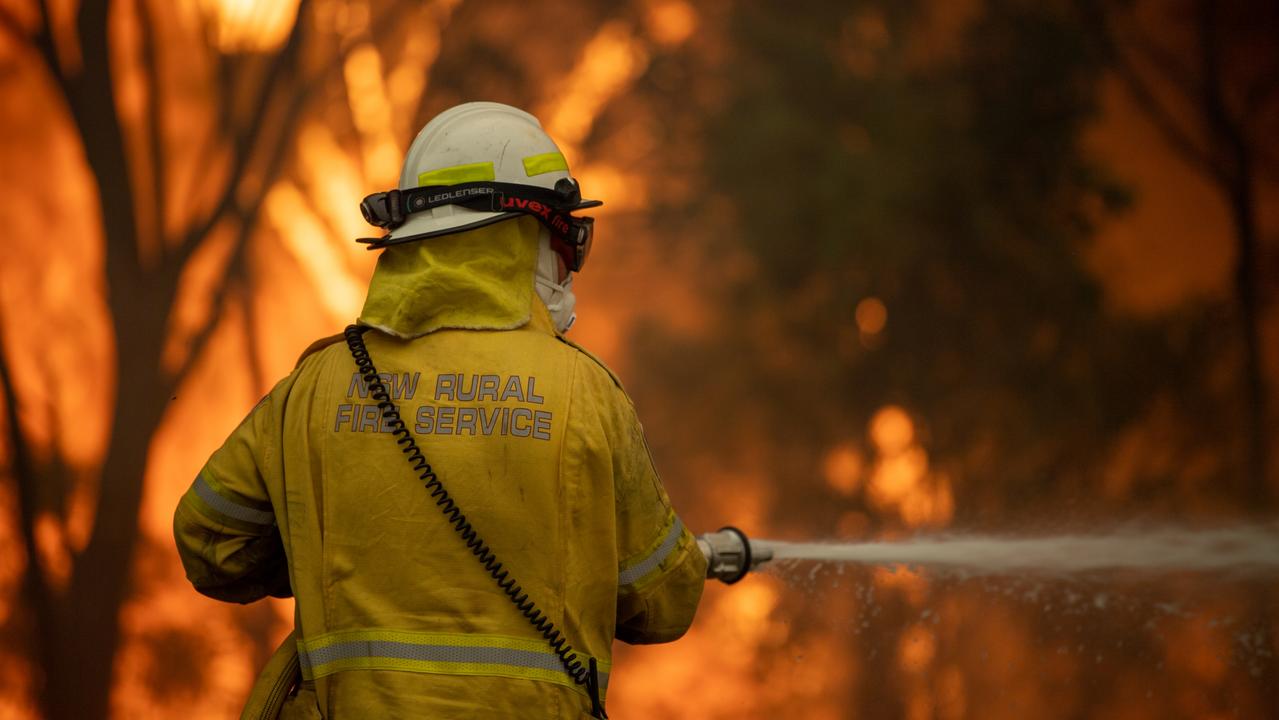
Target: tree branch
40, 39
1175, 136
26, 478
1163, 120
1096, 15
248, 138
224, 81
23, 461
248, 216
219, 303
286, 131
155, 125
252, 350
92, 24
47, 46
1166, 62
1219, 117
13, 27
248, 223
92, 101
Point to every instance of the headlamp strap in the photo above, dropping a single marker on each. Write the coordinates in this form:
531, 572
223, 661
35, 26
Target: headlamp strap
484, 196
552, 207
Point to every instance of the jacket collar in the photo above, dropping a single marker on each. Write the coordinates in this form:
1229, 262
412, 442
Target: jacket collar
476, 280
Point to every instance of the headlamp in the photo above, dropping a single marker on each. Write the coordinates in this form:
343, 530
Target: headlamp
383, 209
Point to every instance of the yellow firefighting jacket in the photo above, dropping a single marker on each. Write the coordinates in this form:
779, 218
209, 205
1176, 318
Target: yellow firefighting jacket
535, 440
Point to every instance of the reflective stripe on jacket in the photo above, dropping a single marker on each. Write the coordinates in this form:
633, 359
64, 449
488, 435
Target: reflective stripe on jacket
538, 444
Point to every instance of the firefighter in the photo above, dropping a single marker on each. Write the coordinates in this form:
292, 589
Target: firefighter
452, 443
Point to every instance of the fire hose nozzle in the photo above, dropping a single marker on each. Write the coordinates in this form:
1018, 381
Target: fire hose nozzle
730, 554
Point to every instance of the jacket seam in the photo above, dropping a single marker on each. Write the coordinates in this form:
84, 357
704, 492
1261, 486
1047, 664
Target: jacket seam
562, 489
326, 596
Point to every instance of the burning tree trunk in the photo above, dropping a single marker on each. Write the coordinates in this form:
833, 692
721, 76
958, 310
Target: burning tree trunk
75, 631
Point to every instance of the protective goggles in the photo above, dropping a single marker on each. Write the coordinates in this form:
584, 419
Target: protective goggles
571, 236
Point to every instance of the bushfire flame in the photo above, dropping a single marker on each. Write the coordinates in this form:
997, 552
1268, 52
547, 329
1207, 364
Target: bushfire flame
771, 646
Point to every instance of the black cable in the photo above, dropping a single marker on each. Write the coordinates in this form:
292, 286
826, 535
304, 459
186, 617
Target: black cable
586, 676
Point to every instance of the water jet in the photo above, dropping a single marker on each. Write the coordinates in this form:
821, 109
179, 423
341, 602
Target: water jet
1250, 549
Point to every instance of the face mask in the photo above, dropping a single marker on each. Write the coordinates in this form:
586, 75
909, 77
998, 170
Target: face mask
558, 296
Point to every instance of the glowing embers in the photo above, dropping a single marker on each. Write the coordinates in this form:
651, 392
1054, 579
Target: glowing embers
901, 481
871, 316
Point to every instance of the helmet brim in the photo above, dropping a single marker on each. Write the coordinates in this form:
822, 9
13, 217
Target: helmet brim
412, 231
423, 226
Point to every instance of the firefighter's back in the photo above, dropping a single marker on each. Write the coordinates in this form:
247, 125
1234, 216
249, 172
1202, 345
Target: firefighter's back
396, 616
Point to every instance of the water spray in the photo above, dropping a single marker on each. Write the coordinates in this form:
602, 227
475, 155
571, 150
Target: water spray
1246, 549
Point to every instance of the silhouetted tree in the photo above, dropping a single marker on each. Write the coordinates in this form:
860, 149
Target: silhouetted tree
1206, 74
257, 100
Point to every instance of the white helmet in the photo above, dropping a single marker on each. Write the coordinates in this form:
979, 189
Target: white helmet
477, 164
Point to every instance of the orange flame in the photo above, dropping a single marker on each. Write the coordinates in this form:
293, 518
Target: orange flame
746, 655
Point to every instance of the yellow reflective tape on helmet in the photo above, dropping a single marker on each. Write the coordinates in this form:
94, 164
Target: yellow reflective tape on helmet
475, 172
544, 163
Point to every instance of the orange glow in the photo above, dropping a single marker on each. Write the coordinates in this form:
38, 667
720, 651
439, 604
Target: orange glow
372, 111
194, 304
609, 62
933, 505
12, 565
916, 648
16, 705
1155, 257
82, 500
909, 583
612, 182
156, 675
901, 480
951, 697
729, 664
51, 548
871, 316
670, 22
1197, 650
250, 25
822, 642
407, 81
892, 430
331, 178
843, 469
301, 231
51, 283
897, 475
852, 526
